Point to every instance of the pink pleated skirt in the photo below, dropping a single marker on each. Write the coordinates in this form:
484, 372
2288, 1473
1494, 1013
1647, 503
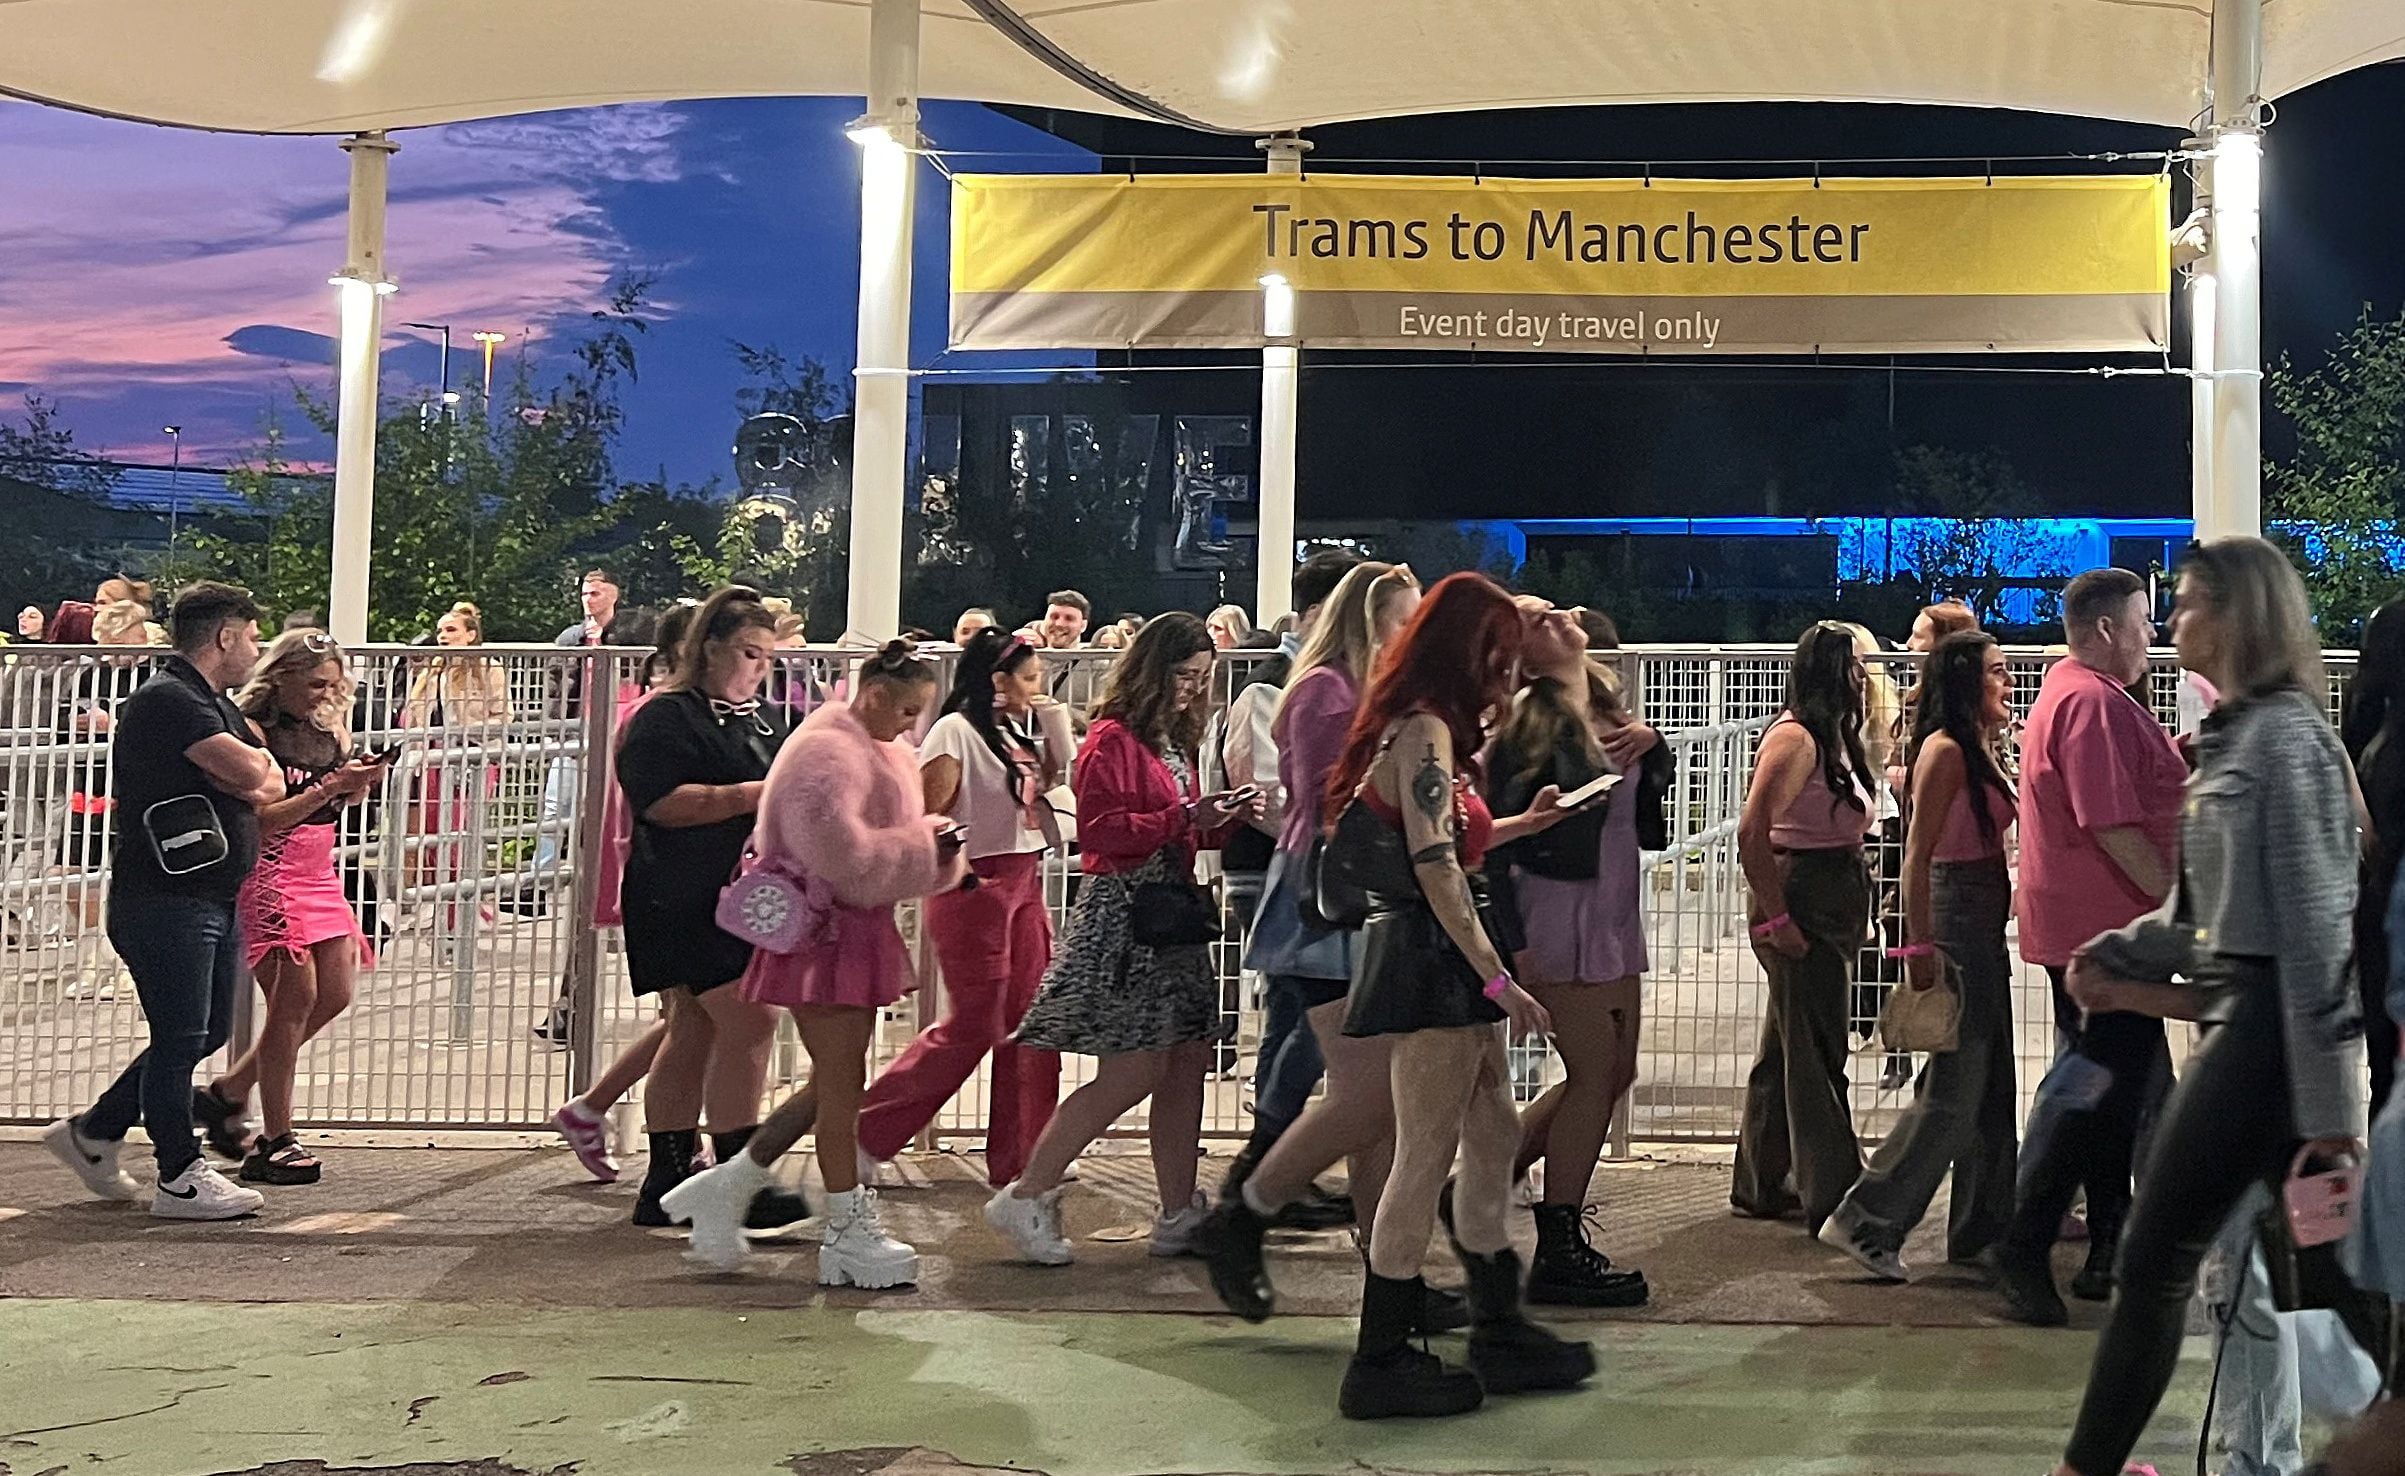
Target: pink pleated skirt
294, 899
863, 965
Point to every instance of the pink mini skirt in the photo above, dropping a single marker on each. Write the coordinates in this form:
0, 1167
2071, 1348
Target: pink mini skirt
863, 965
294, 899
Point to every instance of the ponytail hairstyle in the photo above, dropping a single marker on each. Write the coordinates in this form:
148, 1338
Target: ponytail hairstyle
986, 652
727, 613
896, 662
471, 617
1953, 690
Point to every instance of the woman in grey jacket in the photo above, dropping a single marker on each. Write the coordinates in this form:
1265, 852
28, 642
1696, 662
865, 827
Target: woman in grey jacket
2256, 929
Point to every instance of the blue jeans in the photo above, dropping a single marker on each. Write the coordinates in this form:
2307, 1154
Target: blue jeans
1290, 1065
185, 954
560, 783
2274, 1364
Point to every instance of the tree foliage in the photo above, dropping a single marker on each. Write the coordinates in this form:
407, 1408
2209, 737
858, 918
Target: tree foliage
2336, 502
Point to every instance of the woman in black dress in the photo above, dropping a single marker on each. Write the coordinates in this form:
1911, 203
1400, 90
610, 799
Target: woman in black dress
691, 764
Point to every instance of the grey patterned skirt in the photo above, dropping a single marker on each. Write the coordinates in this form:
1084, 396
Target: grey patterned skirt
1106, 995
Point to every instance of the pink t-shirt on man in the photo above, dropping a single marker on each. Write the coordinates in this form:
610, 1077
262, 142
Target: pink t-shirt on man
2091, 759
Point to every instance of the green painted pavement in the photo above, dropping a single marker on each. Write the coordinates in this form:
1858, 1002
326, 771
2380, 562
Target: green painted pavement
188, 1389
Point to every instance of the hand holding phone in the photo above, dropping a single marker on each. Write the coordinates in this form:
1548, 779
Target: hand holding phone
1588, 793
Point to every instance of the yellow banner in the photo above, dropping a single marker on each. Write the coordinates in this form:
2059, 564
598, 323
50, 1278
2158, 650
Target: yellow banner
1604, 266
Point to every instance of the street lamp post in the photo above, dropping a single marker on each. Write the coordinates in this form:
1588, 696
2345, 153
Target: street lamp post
175, 478
444, 392
491, 341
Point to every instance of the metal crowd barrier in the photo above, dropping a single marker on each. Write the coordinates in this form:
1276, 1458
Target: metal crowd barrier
474, 872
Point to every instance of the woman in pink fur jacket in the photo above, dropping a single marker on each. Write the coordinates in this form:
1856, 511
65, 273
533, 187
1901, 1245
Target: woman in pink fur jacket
842, 814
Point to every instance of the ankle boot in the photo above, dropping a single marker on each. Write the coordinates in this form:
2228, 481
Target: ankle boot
2094, 1283
671, 1163
1388, 1378
1568, 1271
1240, 1168
1509, 1353
1230, 1241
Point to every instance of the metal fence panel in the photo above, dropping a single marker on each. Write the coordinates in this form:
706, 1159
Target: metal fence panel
475, 872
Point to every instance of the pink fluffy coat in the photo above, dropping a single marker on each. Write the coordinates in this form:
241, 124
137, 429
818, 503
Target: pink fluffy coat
849, 810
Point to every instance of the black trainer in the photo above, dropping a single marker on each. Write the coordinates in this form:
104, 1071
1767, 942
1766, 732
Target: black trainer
1316, 1210
2027, 1282
1568, 1271
1390, 1379
775, 1207
1230, 1241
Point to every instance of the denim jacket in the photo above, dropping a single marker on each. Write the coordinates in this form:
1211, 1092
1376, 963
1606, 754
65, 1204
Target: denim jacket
2267, 871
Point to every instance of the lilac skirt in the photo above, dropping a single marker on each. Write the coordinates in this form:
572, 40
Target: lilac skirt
1587, 932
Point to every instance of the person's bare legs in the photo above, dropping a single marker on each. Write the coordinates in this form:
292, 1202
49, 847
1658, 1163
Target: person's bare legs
1594, 1029
1119, 1083
736, 1072
672, 1103
633, 1064
837, 1038
289, 983
1175, 1123
1353, 1119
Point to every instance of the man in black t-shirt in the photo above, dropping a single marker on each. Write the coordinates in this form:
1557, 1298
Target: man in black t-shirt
188, 776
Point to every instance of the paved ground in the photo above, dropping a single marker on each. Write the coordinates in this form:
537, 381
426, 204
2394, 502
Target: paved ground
442, 1311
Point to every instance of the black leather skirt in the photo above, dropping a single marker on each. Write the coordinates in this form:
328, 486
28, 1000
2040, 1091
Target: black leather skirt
1407, 975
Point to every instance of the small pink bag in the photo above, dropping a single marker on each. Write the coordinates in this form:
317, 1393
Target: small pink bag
2321, 1207
772, 909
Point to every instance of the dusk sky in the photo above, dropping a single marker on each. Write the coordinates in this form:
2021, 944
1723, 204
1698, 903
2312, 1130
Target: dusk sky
153, 275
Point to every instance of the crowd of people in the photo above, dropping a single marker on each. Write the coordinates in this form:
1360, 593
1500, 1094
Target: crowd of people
1432, 806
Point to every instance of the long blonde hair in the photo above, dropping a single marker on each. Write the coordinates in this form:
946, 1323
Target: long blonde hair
1347, 634
2266, 617
294, 654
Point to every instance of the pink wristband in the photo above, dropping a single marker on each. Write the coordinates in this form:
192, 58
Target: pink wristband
1765, 929
1913, 950
1495, 986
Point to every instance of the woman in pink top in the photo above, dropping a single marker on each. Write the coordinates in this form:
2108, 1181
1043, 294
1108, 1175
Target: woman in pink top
1800, 843
1957, 896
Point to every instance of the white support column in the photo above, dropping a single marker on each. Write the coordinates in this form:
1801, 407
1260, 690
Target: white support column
2229, 296
361, 287
1281, 385
888, 135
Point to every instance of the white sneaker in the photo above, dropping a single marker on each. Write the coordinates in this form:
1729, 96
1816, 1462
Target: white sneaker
1882, 1261
588, 1133
716, 1200
202, 1193
1175, 1235
94, 1162
1033, 1225
856, 1251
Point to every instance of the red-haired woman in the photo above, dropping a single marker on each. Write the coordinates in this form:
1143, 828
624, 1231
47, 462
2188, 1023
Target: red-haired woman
1426, 973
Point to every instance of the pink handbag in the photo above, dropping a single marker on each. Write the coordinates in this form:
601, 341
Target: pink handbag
772, 909
2321, 1207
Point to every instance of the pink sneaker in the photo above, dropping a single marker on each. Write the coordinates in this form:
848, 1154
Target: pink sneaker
590, 1137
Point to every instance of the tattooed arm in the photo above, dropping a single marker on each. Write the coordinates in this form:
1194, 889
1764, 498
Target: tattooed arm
1415, 774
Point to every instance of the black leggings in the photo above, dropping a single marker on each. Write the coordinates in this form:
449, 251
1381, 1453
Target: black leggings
2226, 1128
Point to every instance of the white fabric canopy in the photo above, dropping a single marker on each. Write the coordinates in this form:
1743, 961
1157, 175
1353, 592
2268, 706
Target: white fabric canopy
1248, 66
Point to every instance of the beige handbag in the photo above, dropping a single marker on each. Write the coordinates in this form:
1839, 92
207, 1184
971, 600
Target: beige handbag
1925, 1020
